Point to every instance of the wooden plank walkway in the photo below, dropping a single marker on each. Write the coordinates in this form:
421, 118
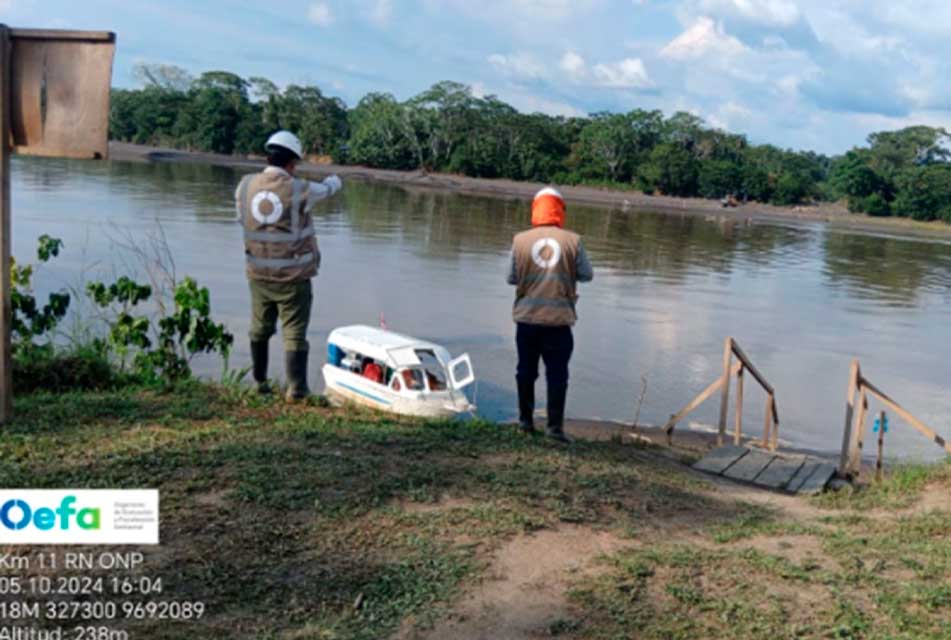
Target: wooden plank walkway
789, 473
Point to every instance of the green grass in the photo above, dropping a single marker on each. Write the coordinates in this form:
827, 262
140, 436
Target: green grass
901, 487
312, 522
327, 523
864, 570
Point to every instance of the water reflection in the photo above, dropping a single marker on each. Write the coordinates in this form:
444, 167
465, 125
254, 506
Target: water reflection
801, 300
892, 270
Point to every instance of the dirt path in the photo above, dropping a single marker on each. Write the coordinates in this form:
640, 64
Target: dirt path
524, 592
523, 595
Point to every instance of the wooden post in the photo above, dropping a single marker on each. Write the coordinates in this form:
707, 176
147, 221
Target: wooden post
725, 391
858, 434
849, 410
768, 422
738, 421
6, 318
774, 441
881, 446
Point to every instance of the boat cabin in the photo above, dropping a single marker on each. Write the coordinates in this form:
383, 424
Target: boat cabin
382, 364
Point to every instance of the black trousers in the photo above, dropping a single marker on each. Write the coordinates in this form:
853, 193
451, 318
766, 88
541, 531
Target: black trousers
553, 345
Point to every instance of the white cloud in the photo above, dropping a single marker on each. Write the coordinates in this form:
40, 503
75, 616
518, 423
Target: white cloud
573, 65
629, 73
778, 13
320, 14
380, 12
516, 13
519, 64
704, 38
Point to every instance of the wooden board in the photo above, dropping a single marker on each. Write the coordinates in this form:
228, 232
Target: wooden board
818, 480
802, 475
789, 473
719, 460
749, 466
60, 92
780, 471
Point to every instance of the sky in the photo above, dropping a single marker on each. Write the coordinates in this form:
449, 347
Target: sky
808, 74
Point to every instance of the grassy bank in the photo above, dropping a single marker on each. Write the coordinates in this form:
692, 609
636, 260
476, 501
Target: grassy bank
313, 522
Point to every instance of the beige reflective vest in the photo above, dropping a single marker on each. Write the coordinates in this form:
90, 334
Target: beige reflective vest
545, 260
279, 239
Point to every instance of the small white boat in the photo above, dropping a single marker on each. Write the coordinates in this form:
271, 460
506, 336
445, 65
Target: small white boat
397, 373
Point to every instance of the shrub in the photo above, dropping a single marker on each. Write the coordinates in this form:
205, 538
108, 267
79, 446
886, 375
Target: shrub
48, 369
876, 205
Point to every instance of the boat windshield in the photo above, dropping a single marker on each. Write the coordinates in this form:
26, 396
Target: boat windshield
435, 373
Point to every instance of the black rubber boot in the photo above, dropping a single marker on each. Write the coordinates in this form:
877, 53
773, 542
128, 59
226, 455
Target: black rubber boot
295, 364
526, 407
259, 365
556, 414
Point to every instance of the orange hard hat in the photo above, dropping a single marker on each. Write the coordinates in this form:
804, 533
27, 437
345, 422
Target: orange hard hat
548, 207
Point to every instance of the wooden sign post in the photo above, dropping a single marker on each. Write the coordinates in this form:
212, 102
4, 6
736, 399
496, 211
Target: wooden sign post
54, 101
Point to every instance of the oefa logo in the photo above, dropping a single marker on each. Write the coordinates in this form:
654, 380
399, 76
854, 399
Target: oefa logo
546, 253
266, 207
17, 514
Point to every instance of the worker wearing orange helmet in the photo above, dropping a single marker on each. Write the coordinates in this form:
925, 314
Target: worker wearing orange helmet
547, 263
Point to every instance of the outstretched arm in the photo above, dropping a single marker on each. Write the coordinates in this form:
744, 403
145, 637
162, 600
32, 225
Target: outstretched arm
321, 190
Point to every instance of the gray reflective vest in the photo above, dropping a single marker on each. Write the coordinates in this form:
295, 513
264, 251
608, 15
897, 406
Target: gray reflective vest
279, 239
546, 261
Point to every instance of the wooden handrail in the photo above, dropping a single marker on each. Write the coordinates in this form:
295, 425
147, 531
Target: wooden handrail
722, 384
854, 433
751, 367
696, 402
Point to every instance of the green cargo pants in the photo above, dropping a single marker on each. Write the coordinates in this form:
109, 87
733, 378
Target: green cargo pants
291, 301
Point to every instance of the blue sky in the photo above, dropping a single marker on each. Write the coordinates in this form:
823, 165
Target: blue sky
807, 74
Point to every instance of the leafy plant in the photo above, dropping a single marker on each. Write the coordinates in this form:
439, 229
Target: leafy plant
161, 352
30, 321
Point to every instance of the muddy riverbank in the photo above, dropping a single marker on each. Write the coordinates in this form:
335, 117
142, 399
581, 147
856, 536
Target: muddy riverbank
828, 213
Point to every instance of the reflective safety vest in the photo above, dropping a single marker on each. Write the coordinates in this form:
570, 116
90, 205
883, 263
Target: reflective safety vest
279, 238
546, 260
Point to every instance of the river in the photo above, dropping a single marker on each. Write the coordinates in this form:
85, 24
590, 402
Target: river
801, 300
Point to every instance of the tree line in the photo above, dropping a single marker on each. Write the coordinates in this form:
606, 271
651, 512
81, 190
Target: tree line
448, 128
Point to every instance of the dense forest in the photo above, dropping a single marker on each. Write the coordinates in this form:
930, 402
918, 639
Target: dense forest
447, 128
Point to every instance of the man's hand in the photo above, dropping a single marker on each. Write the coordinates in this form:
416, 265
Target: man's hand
334, 183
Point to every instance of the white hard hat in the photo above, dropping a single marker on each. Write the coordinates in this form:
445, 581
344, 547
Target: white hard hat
287, 140
549, 191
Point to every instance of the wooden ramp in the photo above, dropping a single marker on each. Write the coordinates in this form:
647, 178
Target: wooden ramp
789, 473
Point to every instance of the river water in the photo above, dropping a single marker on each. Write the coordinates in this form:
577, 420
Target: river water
801, 300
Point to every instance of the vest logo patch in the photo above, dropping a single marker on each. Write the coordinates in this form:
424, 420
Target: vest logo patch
546, 253
268, 213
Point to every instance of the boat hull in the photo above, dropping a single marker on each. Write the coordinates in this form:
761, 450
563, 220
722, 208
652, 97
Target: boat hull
349, 387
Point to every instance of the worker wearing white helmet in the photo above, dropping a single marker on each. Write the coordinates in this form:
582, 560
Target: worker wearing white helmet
281, 256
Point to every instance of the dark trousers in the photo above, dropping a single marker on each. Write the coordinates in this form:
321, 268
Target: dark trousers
554, 346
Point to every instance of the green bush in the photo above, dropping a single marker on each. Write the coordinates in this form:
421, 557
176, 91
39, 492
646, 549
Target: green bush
136, 348
46, 368
160, 352
876, 205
